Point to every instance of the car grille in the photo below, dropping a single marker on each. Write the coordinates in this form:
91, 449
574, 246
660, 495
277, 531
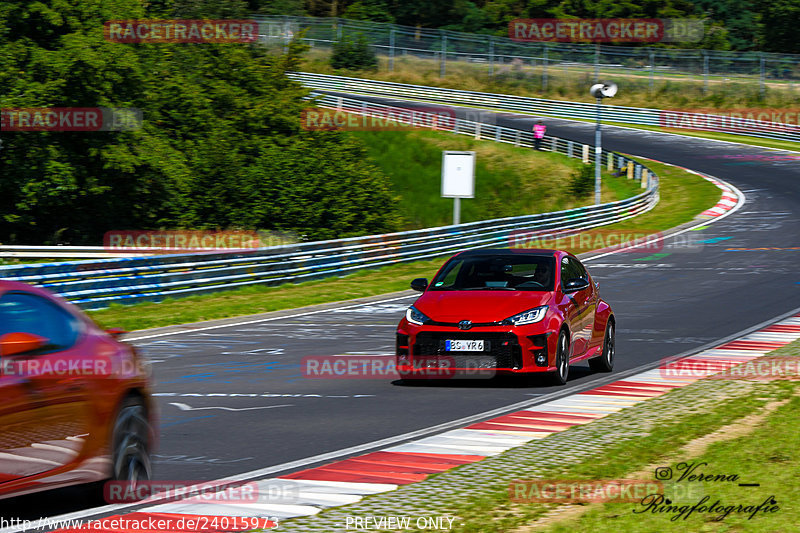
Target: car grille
500, 349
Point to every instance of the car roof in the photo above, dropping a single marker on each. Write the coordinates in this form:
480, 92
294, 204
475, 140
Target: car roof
506, 252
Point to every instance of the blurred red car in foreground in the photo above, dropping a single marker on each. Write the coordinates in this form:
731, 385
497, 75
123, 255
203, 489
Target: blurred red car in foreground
507, 312
74, 401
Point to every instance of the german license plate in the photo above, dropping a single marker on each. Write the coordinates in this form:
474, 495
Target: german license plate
463, 346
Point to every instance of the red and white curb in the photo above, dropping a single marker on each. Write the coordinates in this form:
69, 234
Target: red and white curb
342, 482
730, 199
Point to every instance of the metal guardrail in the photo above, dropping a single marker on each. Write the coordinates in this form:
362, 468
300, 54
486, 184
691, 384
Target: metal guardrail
96, 284
554, 108
68, 252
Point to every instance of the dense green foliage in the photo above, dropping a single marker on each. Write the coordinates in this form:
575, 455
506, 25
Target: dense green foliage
354, 53
768, 25
582, 181
221, 145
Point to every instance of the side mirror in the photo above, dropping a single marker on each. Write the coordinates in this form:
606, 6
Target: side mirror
116, 332
420, 284
20, 343
576, 284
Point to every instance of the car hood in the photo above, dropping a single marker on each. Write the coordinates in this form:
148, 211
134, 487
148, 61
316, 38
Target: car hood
478, 306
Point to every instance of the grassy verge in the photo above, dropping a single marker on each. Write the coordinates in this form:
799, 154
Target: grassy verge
683, 196
510, 181
752, 437
571, 83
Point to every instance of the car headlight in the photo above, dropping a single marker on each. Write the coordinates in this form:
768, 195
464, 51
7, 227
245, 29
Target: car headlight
531, 316
415, 317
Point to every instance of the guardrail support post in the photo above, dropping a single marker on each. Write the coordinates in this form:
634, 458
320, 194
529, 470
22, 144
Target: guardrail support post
596, 63
491, 57
645, 176
478, 131
569, 148
391, 50
553, 144
516, 139
585, 154
544, 67
610, 159
630, 170
443, 67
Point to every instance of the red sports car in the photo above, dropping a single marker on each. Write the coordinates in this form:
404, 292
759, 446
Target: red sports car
509, 312
74, 401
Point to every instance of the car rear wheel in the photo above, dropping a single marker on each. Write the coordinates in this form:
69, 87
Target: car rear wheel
559, 377
605, 363
130, 443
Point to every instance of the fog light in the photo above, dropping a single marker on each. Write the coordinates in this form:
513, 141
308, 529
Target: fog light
541, 359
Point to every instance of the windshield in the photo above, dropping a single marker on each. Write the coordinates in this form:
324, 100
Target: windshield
500, 273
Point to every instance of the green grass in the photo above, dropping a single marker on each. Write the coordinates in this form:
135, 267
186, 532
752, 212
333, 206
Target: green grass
671, 91
510, 181
683, 196
675, 92
764, 454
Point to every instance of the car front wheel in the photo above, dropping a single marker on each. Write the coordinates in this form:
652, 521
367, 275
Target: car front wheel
559, 377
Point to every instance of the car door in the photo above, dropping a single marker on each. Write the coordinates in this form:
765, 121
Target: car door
589, 298
46, 406
580, 315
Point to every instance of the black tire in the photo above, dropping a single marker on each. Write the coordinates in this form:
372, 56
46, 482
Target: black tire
130, 443
560, 376
605, 363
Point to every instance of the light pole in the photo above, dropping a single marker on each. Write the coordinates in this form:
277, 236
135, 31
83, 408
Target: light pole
599, 91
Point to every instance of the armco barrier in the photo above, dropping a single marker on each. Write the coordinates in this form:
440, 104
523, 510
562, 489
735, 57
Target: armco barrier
540, 106
96, 284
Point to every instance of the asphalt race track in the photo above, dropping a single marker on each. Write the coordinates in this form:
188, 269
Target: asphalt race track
233, 399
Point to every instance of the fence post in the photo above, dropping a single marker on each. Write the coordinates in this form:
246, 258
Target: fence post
652, 68
596, 63
762, 89
491, 57
705, 72
544, 66
391, 50
443, 67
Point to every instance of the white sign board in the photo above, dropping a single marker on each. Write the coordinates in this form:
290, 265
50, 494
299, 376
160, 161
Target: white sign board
458, 174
